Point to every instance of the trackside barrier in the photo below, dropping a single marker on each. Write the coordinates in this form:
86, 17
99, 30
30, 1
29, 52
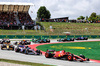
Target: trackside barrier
50, 36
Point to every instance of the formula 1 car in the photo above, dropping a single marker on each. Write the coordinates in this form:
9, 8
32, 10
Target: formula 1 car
27, 50
7, 47
41, 40
66, 39
82, 38
4, 41
65, 55
23, 42
33, 52
20, 48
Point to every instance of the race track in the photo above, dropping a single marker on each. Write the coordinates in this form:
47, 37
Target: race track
41, 59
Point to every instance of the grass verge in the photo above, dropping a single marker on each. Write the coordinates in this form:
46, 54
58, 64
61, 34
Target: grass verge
89, 49
22, 63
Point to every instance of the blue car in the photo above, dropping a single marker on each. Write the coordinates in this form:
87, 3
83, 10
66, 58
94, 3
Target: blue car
82, 38
20, 48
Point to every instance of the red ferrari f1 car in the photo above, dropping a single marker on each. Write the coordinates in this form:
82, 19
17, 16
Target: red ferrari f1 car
65, 55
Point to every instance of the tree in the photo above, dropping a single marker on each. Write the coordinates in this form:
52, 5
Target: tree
93, 17
43, 13
98, 17
81, 18
78, 18
86, 17
93, 14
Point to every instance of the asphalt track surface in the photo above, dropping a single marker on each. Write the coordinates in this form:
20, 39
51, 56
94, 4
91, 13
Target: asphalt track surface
5, 54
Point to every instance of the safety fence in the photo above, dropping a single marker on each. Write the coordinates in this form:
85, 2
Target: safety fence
50, 36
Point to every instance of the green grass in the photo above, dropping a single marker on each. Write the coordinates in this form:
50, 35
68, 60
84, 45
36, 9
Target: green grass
74, 28
93, 53
59, 28
22, 63
21, 32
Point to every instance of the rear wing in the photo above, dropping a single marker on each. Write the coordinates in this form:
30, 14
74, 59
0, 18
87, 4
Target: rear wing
50, 50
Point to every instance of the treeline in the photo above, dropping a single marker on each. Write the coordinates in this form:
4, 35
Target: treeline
92, 18
43, 14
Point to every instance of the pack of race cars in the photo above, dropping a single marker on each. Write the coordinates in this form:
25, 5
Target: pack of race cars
22, 47
72, 39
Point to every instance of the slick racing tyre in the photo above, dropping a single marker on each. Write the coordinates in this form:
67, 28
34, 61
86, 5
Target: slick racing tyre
17, 50
48, 55
70, 58
88, 59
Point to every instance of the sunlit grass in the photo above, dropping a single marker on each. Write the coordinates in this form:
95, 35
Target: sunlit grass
59, 29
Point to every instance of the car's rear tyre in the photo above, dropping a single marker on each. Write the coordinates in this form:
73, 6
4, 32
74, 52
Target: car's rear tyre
16, 49
13, 49
23, 51
86, 38
70, 57
48, 55
38, 51
88, 59
72, 39
49, 42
